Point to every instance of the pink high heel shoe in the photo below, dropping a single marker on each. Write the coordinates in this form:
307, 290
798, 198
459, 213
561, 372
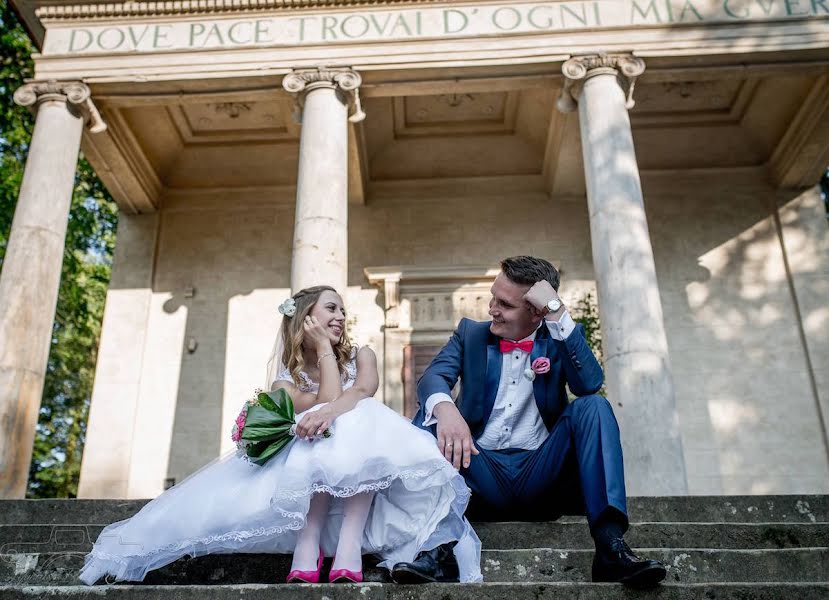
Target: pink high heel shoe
345, 576
297, 576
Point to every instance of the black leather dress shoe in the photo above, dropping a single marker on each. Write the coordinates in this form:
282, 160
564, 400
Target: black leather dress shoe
616, 562
438, 564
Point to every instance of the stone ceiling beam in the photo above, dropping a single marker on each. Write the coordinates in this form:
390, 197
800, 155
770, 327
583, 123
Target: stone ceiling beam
122, 165
802, 156
358, 174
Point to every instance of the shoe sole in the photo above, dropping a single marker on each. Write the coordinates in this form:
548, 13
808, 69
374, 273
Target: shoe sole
646, 578
406, 576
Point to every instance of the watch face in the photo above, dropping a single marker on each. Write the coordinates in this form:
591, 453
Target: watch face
554, 305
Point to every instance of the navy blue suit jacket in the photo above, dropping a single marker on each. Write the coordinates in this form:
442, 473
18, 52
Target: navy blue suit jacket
473, 356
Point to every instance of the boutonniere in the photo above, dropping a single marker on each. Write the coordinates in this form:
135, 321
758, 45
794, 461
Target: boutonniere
539, 367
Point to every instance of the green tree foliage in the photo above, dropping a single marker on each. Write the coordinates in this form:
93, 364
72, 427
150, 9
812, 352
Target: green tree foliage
87, 258
15, 124
586, 312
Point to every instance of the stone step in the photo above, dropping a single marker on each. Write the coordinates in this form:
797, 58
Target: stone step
375, 591
508, 536
694, 509
15, 539
684, 566
512, 566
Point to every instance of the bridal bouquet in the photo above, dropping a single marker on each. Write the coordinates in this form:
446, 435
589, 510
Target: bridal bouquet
266, 425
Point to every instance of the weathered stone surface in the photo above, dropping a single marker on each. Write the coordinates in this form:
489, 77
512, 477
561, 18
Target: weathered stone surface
793, 508
684, 566
765, 559
634, 344
502, 536
31, 275
320, 250
374, 591
511, 566
657, 535
106, 470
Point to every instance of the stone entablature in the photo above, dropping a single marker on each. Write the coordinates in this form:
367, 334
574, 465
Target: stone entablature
135, 41
637, 11
341, 22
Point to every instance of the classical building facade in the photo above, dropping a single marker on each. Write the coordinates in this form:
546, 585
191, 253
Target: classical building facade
664, 154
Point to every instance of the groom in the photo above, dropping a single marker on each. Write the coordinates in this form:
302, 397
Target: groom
525, 452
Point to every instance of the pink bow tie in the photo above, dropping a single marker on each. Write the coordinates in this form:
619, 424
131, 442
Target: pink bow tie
508, 346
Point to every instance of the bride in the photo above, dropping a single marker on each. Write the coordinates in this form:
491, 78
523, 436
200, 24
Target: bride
377, 485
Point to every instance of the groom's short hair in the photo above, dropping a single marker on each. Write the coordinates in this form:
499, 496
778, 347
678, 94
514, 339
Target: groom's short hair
526, 270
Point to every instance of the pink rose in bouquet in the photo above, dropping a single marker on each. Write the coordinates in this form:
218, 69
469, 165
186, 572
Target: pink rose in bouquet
236, 435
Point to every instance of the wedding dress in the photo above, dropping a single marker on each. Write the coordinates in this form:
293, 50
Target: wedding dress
232, 505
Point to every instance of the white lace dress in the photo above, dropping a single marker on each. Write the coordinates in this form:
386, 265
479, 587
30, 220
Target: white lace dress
232, 505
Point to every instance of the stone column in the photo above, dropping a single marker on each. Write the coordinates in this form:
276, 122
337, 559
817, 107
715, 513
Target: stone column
639, 380
32, 266
320, 250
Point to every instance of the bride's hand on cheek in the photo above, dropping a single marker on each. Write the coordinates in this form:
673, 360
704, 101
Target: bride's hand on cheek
315, 333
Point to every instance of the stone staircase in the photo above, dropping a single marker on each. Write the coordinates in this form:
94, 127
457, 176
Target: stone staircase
719, 547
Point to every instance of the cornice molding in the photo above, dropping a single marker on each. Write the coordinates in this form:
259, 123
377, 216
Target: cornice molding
201, 7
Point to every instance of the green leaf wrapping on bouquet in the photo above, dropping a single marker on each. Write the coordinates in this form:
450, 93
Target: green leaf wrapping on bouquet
269, 451
262, 434
267, 425
259, 416
279, 402
266, 401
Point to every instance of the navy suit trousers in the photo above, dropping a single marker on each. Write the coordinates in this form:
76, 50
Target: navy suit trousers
577, 470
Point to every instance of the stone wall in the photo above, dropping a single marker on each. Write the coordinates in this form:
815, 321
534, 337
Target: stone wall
746, 397
747, 409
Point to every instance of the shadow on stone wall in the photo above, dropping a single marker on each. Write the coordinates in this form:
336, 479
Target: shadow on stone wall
231, 258
743, 384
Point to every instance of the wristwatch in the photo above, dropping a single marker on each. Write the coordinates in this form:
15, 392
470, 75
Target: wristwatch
553, 305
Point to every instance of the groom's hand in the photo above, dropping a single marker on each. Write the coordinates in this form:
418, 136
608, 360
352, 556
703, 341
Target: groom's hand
539, 295
454, 438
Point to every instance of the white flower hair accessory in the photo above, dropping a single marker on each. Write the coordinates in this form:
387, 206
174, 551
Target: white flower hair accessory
288, 307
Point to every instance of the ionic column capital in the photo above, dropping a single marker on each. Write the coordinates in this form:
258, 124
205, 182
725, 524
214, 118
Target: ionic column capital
302, 81
75, 94
578, 69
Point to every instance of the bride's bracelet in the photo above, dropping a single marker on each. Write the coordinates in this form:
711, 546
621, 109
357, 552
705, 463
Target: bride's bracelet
323, 356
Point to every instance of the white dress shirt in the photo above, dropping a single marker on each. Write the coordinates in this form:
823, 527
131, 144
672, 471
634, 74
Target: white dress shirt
515, 421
